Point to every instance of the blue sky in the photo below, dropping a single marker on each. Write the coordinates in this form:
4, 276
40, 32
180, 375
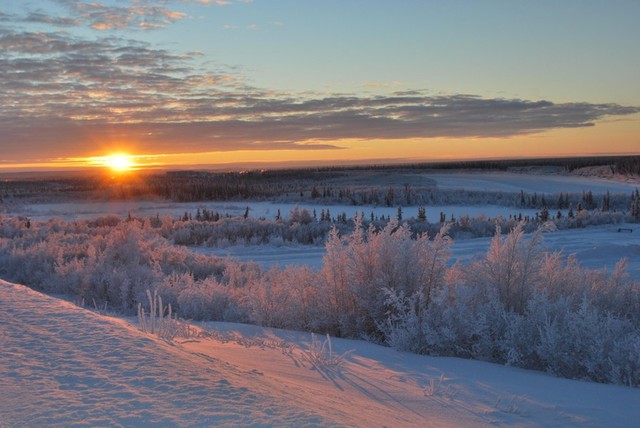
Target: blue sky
314, 81
555, 50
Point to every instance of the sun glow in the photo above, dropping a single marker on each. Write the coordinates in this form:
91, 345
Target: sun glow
119, 162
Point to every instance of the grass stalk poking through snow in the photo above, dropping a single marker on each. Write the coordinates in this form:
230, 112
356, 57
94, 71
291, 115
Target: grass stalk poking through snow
322, 356
160, 320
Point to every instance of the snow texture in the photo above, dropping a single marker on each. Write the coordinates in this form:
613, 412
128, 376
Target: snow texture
61, 365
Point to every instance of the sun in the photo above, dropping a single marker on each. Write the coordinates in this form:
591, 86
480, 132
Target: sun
119, 162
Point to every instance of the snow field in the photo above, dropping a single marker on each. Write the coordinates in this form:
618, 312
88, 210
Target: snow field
472, 181
538, 183
61, 365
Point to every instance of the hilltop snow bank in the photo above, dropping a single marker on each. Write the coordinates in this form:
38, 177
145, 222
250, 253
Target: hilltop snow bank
62, 365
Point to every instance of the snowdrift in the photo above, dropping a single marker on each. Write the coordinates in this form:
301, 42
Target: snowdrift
61, 365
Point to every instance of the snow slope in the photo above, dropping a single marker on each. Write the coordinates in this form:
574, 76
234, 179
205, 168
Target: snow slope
61, 365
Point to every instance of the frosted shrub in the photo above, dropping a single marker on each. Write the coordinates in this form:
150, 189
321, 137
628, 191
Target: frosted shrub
510, 267
403, 327
460, 321
580, 344
322, 356
361, 270
276, 241
194, 303
300, 215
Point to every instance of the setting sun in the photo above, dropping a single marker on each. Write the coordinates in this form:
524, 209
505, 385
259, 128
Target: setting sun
120, 162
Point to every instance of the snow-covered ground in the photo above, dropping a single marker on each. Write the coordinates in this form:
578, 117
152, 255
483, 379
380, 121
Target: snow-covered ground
530, 183
479, 181
61, 365
595, 247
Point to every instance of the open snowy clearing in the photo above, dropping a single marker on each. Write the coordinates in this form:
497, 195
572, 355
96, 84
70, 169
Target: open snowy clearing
595, 247
539, 183
61, 365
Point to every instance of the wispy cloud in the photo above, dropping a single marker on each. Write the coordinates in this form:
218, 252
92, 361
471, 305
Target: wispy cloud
217, 2
140, 14
102, 16
378, 85
60, 21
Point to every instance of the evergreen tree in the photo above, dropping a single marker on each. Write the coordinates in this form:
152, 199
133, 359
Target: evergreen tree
314, 192
422, 214
389, 197
635, 206
606, 201
544, 214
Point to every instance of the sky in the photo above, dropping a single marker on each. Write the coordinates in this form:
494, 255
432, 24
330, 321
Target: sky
294, 82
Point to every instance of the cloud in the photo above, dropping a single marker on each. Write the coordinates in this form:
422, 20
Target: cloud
64, 95
100, 16
60, 21
378, 85
138, 14
217, 2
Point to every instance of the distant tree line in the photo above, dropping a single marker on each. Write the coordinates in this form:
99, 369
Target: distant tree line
327, 184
